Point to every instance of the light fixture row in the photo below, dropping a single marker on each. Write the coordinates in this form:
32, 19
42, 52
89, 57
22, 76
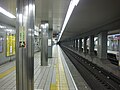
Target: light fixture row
72, 5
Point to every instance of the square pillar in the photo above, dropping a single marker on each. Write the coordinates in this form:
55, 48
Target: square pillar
85, 45
76, 44
25, 18
73, 43
44, 43
80, 45
91, 45
102, 45
50, 43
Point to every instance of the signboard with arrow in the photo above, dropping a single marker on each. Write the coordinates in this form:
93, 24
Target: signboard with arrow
22, 36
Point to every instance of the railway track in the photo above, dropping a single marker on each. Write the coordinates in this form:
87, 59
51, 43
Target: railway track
96, 77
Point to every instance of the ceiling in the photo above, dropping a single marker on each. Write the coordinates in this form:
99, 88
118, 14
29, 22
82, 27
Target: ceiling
9, 5
89, 15
53, 11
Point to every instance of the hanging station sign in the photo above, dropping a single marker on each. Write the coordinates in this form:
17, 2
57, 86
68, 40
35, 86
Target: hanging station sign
8, 46
13, 44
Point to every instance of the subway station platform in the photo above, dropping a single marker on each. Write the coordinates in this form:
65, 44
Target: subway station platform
55, 76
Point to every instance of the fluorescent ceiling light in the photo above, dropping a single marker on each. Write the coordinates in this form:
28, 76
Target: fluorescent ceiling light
72, 5
3, 11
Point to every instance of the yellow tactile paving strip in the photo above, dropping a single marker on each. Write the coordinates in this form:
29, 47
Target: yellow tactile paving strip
55, 86
61, 80
3, 74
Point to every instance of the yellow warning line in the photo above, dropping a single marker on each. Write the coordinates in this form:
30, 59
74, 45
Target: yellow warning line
7, 72
55, 86
61, 81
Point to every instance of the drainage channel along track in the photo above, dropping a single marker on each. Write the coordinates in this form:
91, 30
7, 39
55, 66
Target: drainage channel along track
96, 77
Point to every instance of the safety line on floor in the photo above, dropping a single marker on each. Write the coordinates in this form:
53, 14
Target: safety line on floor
69, 71
61, 80
55, 86
5, 73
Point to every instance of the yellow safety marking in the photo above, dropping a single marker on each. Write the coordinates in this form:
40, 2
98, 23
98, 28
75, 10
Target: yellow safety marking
55, 86
61, 81
3, 74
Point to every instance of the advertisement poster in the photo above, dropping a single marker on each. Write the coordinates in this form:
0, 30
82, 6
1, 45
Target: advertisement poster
10, 43
1, 44
13, 44
8, 48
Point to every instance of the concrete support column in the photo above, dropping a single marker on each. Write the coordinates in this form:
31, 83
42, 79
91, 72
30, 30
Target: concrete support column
80, 45
50, 43
91, 45
76, 45
85, 45
102, 45
25, 18
73, 43
44, 43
